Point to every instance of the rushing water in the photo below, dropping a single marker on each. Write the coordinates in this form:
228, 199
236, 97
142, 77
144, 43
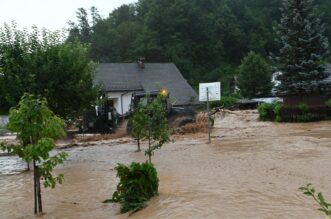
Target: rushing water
251, 170
11, 165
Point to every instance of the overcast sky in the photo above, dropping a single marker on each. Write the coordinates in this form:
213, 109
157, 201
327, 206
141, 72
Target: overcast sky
51, 14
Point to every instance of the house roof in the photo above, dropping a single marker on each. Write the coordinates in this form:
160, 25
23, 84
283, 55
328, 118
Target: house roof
130, 77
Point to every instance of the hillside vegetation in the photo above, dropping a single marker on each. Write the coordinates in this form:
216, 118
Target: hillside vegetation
206, 39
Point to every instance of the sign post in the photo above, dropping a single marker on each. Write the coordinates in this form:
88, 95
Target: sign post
209, 92
208, 116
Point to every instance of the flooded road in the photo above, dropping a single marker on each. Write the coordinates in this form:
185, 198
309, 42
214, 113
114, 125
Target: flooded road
252, 169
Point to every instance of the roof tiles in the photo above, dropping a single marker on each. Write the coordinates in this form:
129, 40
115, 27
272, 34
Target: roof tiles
130, 77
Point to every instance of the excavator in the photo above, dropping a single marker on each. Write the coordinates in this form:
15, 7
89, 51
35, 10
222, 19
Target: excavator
104, 118
177, 116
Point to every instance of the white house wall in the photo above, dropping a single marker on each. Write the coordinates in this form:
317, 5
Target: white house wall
117, 97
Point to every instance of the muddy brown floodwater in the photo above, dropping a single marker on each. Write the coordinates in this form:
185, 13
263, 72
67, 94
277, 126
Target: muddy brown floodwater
252, 169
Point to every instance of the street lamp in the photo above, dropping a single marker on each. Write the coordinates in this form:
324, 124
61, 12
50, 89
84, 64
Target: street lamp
164, 92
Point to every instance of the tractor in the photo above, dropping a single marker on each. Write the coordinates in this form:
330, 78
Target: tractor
103, 118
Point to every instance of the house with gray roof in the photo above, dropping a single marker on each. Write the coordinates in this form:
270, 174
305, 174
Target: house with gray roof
121, 80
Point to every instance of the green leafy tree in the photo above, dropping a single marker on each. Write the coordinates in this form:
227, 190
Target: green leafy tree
42, 64
200, 37
83, 30
303, 48
254, 76
13, 55
138, 122
37, 127
65, 78
150, 123
156, 130
113, 38
328, 103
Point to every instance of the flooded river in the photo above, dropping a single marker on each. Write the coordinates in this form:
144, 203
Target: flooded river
251, 170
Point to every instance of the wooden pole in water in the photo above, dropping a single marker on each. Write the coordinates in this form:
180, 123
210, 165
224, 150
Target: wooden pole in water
138, 141
34, 182
40, 206
35, 187
149, 149
208, 115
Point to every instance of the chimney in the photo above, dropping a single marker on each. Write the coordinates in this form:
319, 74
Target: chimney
141, 62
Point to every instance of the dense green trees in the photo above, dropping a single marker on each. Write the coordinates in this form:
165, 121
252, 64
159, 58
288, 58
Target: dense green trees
254, 76
205, 39
303, 48
40, 63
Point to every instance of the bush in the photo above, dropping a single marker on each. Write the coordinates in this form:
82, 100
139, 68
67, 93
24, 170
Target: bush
138, 183
266, 111
270, 111
328, 104
278, 107
328, 110
301, 113
305, 115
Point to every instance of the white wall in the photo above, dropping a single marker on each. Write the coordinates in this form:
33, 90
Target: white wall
116, 97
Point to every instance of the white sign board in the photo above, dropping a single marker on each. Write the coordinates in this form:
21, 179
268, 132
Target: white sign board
214, 91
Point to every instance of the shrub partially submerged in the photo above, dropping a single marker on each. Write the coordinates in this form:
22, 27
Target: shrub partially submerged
266, 111
278, 107
304, 115
138, 183
328, 104
300, 113
270, 111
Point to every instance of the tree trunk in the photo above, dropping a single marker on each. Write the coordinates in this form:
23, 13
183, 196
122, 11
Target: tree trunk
28, 166
37, 191
138, 142
24, 145
35, 186
149, 149
40, 206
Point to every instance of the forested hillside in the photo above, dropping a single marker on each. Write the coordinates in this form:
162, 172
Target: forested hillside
206, 39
